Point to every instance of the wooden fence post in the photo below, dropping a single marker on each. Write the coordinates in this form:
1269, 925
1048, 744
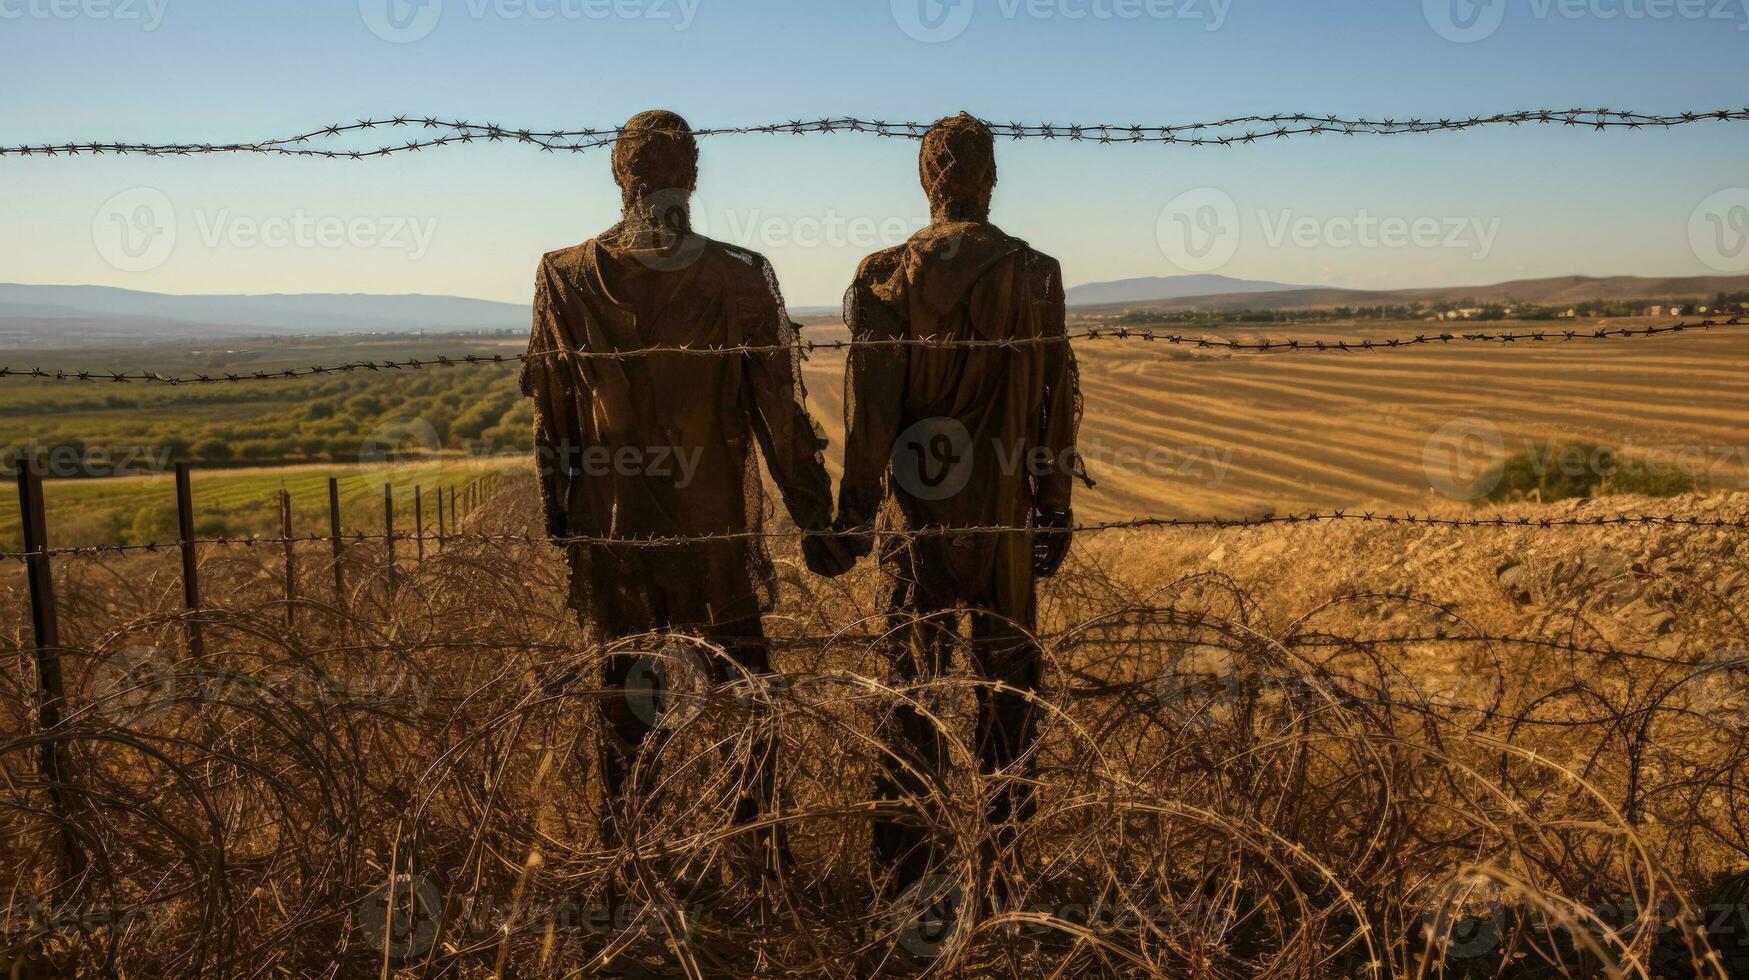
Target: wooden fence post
52, 693
455, 524
419, 520
334, 539
190, 566
291, 569
389, 529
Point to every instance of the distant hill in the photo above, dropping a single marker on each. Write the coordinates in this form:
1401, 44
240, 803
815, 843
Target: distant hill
36, 316
1155, 288
1559, 291
62, 313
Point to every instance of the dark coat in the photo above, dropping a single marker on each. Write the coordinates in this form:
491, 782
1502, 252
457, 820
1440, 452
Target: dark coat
660, 444
968, 436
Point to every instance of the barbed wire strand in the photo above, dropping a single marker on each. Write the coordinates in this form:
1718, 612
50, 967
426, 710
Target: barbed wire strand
805, 347
1254, 129
1140, 523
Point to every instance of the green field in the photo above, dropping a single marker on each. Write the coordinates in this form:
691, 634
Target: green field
242, 502
110, 446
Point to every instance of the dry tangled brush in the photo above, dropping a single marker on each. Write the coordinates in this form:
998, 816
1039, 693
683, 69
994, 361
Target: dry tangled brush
400, 782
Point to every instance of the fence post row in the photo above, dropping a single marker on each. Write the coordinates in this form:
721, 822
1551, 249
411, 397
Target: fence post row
51, 691
190, 566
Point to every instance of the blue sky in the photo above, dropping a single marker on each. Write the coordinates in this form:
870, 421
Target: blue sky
473, 220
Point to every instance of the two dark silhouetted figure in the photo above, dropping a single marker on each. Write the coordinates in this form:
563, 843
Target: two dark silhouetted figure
961, 409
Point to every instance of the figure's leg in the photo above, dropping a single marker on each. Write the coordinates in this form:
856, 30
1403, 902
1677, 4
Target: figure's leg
925, 632
744, 641
1007, 720
629, 606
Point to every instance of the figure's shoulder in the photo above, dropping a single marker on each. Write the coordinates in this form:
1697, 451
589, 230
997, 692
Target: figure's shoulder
881, 265
567, 259
734, 258
1044, 265
735, 264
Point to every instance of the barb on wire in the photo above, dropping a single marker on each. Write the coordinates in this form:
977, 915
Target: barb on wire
1234, 131
1290, 345
1140, 523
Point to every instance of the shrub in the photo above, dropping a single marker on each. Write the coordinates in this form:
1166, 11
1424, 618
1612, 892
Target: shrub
1548, 472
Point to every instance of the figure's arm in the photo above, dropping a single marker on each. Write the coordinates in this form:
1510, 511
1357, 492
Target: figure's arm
874, 397
547, 378
1058, 425
788, 437
1060, 420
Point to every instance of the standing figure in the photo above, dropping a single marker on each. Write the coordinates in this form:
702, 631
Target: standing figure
962, 389
653, 442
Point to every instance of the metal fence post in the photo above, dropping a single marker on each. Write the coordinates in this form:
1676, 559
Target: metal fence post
441, 530
334, 539
419, 521
291, 572
190, 566
389, 529
52, 693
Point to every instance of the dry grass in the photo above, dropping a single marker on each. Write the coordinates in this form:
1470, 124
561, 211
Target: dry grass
1311, 752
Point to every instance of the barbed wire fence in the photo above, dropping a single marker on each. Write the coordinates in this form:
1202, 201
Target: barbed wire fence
52, 740
1251, 129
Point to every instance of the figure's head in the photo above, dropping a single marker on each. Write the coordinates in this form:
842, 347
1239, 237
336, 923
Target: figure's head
655, 152
958, 167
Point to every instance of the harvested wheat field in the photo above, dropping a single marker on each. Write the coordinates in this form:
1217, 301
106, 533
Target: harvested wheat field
1335, 750
1175, 431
